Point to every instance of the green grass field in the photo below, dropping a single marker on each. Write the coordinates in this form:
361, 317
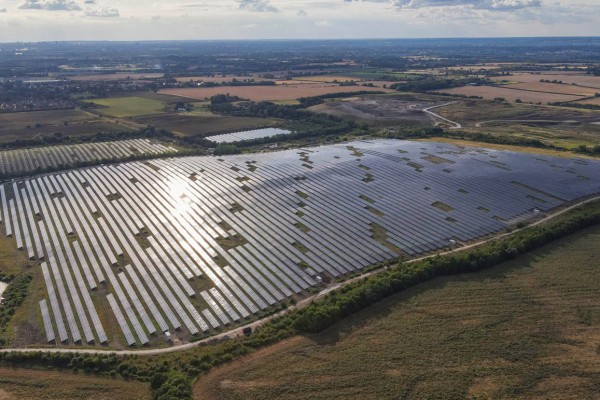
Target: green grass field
527, 329
122, 107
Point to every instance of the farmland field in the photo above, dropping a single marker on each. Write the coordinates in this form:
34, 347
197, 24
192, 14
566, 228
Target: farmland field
21, 119
266, 93
128, 106
33, 124
472, 111
568, 79
511, 95
554, 88
25, 384
527, 329
326, 78
194, 245
220, 79
594, 101
115, 77
204, 123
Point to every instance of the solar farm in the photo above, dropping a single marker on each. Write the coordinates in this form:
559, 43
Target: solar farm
194, 245
36, 159
247, 135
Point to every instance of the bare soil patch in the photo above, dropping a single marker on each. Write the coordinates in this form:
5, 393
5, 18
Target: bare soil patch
379, 109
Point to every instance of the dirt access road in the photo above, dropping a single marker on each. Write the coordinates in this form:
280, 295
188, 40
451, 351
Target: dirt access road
453, 124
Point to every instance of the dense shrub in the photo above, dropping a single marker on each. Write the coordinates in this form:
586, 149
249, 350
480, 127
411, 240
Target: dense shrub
14, 295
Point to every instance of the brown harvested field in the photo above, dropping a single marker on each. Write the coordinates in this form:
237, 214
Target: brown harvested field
26, 125
554, 88
594, 101
115, 77
54, 117
293, 82
21, 384
266, 93
527, 329
327, 78
219, 79
511, 95
567, 78
204, 125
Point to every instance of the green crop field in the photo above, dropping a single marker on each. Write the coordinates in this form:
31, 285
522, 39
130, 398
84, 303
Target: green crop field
526, 329
122, 107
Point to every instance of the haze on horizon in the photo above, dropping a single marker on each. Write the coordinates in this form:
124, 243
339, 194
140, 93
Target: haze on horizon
48, 20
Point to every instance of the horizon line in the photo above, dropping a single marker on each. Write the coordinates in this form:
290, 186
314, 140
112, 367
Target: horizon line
302, 39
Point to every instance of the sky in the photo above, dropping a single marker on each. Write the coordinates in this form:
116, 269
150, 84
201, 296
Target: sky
49, 20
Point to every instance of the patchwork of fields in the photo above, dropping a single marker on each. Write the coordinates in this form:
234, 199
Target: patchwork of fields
191, 245
536, 87
37, 159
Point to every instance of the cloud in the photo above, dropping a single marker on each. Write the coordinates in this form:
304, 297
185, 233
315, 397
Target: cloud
3, 10
257, 6
491, 5
51, 5
302, 13
102, 12
71, 5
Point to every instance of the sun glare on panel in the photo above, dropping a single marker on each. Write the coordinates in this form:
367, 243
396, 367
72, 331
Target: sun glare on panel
177, 190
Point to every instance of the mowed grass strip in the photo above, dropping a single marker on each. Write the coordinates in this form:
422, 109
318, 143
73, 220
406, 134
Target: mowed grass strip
122, 107
40, 385
526, 329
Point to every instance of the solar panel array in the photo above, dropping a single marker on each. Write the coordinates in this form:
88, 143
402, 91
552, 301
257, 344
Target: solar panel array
20, 161
198, 243
247, 135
